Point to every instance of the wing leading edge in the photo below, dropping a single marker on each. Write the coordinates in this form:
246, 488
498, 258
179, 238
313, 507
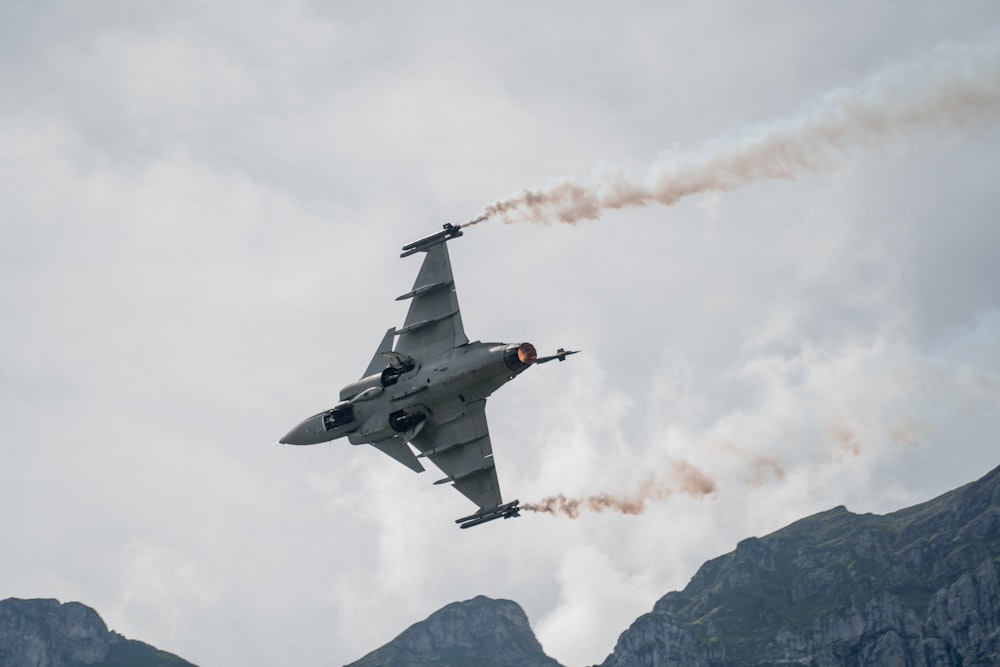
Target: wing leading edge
433, 322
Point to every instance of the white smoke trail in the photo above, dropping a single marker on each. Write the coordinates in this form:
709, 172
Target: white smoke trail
956, 87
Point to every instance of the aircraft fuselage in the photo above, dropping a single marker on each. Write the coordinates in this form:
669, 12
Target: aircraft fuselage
397, 400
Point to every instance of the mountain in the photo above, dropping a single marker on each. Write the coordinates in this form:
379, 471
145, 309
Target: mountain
482, 632
918, 587
47, 633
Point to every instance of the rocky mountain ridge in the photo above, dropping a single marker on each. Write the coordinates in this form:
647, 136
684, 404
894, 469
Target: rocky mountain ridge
916, 588
48, 633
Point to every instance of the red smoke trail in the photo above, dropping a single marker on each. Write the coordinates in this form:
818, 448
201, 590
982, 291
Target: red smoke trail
683, 478
955, 88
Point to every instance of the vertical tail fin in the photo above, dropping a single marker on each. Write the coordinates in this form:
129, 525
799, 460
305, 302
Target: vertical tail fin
378, 361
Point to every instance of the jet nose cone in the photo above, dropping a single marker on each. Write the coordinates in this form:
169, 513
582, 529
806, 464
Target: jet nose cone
318, 428
304, 434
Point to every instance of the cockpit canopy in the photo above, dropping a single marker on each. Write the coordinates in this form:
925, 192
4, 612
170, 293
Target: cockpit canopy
342, 415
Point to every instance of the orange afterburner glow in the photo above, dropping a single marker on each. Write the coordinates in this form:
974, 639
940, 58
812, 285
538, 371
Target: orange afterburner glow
526, 354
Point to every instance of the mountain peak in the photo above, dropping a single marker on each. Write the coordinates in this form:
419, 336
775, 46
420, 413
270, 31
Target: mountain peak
482, 631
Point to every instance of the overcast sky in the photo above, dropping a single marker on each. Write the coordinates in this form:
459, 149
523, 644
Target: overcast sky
201, 209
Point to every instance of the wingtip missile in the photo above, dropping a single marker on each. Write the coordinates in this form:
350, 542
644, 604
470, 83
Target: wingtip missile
506, 511
560, 354
448, 231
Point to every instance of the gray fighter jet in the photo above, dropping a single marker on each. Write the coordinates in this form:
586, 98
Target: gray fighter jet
429, 390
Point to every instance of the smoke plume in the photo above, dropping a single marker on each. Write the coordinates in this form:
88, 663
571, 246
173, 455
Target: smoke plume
683, 478
955, 88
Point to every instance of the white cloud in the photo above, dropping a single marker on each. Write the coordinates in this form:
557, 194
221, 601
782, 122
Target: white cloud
596, 602
200, 212
163, 590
